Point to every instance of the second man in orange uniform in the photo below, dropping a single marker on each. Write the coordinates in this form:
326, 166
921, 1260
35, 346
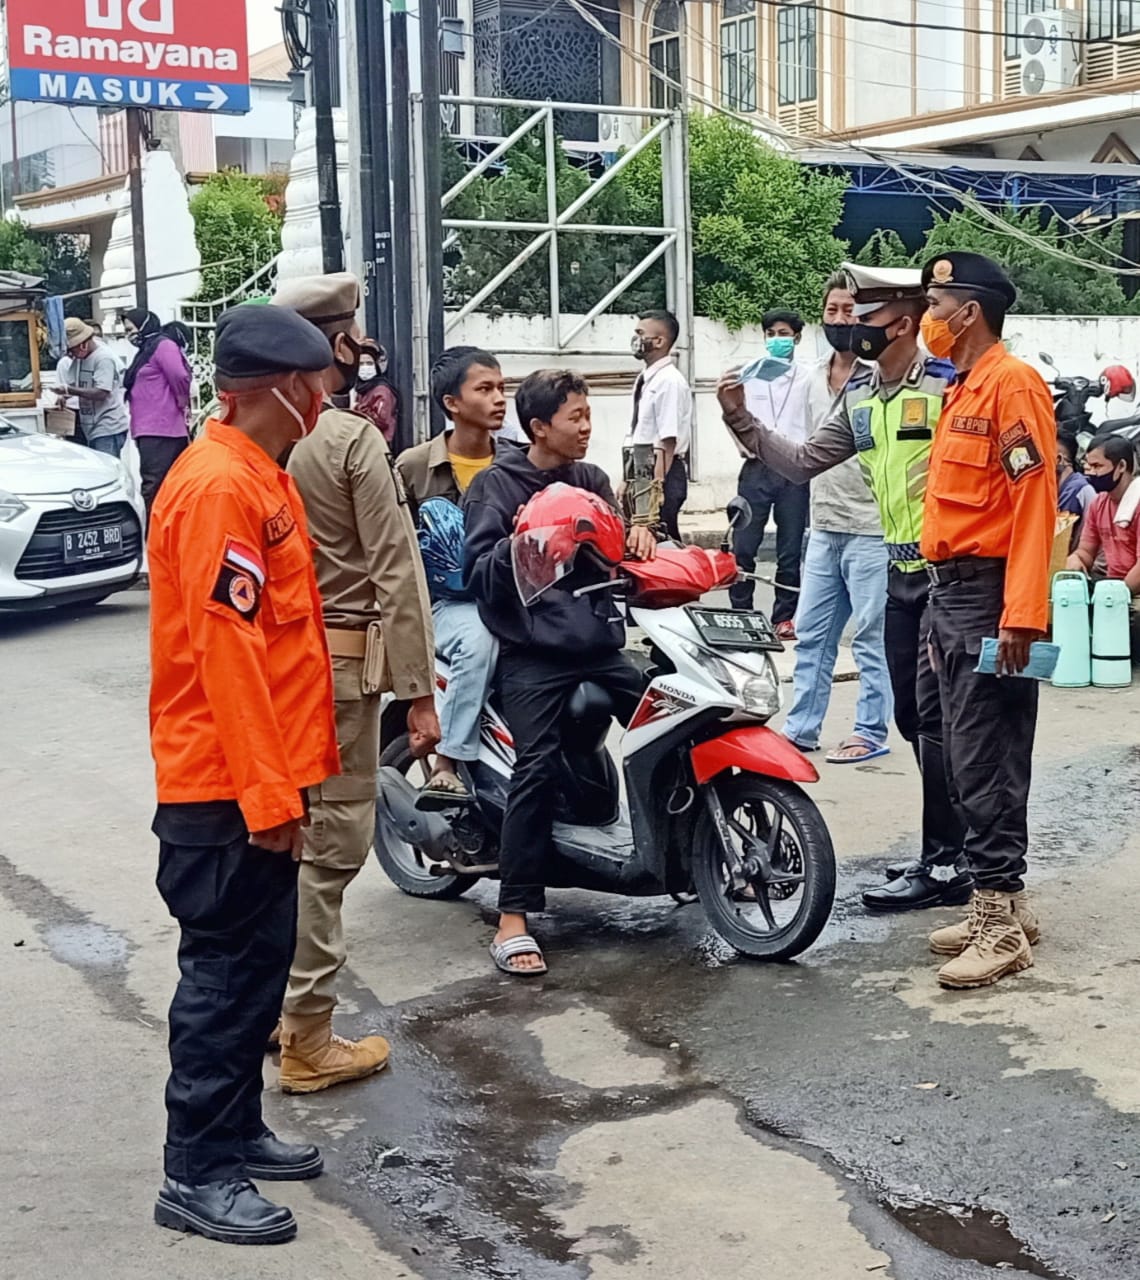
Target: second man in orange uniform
987, 534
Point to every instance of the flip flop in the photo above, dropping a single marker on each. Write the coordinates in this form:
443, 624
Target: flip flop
443, 792
872, 752
524, 945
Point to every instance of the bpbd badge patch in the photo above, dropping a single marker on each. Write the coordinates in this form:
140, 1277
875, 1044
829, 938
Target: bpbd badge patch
241, 576
1020, 456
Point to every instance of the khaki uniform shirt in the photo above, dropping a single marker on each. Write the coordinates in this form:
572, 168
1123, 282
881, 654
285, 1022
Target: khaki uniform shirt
426, 472
367, 557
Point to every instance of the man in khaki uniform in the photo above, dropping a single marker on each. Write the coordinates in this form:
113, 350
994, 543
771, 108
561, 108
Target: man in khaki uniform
378, 622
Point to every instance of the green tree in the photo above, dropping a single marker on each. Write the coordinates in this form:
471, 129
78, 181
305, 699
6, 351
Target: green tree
1046, 284
235, 224
20, 250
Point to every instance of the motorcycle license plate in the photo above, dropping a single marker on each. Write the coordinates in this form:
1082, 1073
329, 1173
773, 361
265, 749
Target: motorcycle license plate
740, 629
80, 545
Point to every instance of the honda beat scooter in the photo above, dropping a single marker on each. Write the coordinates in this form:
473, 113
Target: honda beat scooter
713, 801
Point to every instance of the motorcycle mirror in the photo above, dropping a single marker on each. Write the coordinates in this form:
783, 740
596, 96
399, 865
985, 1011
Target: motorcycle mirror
1046, 358
739, 512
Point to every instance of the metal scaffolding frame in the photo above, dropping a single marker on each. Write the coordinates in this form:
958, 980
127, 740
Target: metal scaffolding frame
674, 240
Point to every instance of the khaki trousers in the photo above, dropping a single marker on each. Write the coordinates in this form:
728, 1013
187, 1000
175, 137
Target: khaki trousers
342, 813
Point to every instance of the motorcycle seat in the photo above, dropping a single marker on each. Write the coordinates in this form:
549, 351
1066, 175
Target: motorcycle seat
589, 702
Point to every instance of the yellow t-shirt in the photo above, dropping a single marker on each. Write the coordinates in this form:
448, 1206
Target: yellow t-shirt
466, 469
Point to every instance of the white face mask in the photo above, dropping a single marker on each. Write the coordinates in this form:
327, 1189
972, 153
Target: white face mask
367, 371
294, 413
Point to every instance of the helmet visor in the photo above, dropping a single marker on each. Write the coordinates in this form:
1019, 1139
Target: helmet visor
541, 558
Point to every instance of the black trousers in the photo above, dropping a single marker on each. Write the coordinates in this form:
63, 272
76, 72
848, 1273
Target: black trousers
236, 906
768, 492
157, 454
676, 491
989, 726
533, 692
918, 711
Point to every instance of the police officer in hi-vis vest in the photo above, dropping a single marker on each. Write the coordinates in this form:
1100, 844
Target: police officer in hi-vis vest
885, 417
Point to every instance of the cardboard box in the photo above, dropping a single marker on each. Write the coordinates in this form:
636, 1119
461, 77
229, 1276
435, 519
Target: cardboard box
1062, 536
59, 422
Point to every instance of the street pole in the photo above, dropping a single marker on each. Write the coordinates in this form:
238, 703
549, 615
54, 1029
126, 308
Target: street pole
135, 186
320, 34
381, 169
402, 229
364, 150
432, 187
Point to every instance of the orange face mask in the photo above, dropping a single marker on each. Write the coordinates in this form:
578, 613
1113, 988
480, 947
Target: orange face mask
937, 335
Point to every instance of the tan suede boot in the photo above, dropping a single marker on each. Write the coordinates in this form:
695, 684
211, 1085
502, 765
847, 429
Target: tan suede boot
955, 938
313, 1058
997, 947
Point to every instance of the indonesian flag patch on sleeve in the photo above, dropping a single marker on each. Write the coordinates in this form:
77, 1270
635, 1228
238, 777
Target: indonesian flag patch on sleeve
241, 577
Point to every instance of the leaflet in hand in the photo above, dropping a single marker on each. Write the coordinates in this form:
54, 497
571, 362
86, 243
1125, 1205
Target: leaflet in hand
1042, 659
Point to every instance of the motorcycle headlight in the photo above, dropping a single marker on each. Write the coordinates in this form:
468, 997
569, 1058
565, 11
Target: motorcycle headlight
10, 506
757, 691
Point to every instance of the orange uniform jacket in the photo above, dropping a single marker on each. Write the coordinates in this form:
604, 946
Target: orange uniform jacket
241, 686
992, 489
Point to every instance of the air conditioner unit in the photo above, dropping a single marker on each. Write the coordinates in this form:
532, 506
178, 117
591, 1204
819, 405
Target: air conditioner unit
1049, 56
617, 133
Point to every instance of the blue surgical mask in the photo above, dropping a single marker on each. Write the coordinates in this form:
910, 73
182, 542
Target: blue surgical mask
781, 348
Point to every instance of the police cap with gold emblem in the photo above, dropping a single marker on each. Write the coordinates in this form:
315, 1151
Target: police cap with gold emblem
970, 272
874, 287
255, 341
325, 301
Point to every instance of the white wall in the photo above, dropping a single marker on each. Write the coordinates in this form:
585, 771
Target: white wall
879, 71
1079, 346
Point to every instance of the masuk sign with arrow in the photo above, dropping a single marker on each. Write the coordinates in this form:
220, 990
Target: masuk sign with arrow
168, 55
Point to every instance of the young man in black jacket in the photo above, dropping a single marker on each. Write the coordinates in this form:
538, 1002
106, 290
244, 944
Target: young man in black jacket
546, 650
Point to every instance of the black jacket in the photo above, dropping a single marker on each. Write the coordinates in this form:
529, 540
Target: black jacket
556, 623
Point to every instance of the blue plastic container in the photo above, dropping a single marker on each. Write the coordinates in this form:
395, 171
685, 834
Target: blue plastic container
1111, 650
1071, 631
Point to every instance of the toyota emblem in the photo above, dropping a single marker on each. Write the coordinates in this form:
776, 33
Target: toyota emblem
82, 500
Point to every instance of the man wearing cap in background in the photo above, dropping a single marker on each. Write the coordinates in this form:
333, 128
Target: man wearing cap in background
90, 374
377, 617
885, 417
241, 726
987, 535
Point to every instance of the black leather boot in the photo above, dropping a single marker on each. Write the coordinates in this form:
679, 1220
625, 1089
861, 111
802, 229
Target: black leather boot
916, 889
230, 1211
271, 1160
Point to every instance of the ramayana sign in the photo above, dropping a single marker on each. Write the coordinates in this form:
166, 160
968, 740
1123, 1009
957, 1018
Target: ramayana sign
174, 55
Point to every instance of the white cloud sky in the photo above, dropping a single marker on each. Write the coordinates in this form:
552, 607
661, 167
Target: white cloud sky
263, 23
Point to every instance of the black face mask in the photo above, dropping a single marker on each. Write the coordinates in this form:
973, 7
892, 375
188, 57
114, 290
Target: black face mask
869, 341
349, 372
839, 336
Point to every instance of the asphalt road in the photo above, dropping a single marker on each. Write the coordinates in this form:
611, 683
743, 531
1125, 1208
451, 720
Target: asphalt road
654, 1108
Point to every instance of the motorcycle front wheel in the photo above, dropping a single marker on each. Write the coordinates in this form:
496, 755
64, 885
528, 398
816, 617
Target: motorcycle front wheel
406, 866
781, 838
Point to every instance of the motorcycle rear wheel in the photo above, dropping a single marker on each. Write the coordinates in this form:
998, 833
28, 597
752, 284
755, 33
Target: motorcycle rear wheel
776, 822
403, 864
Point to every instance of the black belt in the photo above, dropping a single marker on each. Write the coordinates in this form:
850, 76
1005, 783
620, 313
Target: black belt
963, 569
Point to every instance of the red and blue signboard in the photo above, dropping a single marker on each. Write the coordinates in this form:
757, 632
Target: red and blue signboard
167, 55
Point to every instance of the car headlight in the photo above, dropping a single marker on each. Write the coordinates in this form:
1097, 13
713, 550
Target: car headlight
758, 691
10, 506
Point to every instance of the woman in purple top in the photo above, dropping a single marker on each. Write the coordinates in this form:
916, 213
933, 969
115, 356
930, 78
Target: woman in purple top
157, 387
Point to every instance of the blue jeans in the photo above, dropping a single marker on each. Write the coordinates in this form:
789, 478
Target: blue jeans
845, 575
110, 444
768, 493
471, 652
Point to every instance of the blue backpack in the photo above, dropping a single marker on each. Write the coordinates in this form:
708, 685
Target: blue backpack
441, 536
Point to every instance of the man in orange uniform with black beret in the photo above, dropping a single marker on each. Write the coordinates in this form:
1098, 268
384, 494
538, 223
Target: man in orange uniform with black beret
987, 534
241, 724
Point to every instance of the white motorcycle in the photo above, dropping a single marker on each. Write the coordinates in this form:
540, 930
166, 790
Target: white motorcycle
714, 801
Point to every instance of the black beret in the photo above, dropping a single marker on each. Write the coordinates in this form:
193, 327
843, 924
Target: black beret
256, 341
972, 271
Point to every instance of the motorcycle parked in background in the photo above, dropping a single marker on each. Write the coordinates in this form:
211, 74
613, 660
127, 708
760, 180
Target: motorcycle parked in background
713, 801
1071, 397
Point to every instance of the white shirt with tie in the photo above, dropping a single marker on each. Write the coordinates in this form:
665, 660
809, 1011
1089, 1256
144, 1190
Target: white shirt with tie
663, 408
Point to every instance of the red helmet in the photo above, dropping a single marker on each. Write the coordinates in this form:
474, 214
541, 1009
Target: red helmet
552, 528
1117, 383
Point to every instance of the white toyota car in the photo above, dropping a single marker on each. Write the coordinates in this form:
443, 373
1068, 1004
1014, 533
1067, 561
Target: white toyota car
71, 523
